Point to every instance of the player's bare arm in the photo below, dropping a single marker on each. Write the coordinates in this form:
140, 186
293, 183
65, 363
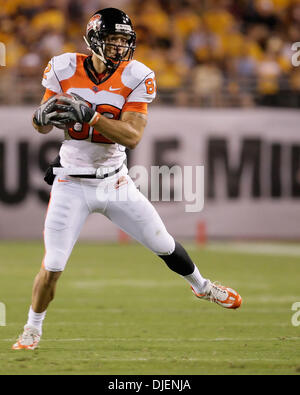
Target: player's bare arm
127, 131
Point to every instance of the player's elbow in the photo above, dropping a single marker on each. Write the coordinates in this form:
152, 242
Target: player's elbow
135, 138
132, 144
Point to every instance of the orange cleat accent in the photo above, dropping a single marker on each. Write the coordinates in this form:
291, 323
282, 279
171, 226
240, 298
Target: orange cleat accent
29, 340
223, 296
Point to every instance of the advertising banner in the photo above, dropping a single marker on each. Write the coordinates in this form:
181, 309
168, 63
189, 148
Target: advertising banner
237, 172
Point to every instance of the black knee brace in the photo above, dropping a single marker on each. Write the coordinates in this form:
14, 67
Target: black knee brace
179, 261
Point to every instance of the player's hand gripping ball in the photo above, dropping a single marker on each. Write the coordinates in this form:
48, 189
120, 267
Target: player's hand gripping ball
62, 119
73, 108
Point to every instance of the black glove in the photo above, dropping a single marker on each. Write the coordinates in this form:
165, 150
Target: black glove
73, 109
45, 113
49, 176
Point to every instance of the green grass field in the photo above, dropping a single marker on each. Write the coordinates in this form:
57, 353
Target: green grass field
120, 310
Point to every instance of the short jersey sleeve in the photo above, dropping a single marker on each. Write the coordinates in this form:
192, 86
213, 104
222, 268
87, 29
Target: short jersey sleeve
50, 80
145, 91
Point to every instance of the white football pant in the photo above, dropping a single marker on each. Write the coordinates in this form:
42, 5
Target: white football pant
116, 197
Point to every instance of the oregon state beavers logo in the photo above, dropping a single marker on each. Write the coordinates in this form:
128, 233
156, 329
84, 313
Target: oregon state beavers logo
94, 23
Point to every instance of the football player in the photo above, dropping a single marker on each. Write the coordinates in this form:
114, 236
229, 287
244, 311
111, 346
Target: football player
100, 101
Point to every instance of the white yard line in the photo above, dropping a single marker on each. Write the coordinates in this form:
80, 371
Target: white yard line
174, 360
119, 324
253, 248
126, 339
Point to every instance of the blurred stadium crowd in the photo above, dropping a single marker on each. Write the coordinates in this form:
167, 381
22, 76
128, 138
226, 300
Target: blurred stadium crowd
219, 53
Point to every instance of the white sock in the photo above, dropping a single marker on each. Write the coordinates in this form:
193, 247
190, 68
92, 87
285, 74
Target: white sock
196, 280
36, 319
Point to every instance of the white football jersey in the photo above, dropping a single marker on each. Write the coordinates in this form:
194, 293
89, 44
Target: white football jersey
131, 83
